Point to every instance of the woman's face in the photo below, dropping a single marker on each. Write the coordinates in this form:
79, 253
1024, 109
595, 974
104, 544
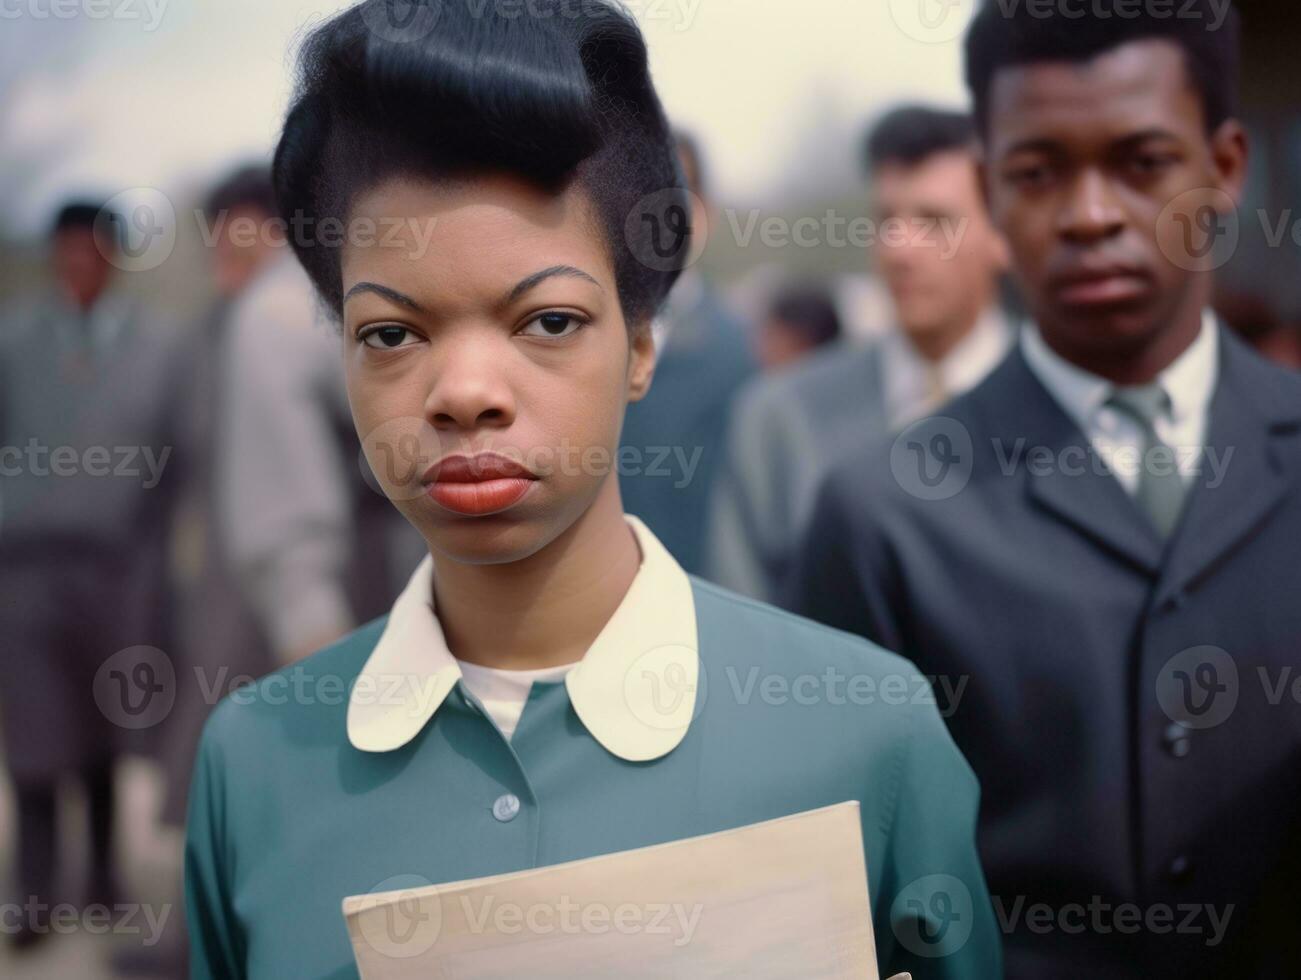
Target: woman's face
487, 360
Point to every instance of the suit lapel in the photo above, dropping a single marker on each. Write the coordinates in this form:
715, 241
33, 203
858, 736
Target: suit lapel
1227, 504
1076, 486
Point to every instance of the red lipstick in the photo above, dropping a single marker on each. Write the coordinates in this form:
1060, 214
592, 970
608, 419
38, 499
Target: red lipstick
476, 486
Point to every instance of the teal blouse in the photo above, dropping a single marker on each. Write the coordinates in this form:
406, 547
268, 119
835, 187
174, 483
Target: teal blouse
288, 816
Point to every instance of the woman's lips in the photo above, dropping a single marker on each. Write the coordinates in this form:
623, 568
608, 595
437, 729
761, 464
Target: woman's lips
482, 497
478, 485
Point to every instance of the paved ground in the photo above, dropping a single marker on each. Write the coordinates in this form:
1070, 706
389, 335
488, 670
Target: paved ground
150, 859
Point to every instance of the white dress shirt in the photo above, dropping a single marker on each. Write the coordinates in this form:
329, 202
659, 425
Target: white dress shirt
910, 380
1189, 382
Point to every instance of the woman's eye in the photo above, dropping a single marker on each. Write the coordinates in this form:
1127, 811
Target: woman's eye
552, 325
388, 338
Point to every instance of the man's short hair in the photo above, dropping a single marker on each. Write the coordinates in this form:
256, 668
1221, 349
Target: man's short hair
1005, 35
911, 134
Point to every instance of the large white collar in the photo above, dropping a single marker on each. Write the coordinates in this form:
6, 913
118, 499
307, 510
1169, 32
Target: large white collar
634, 690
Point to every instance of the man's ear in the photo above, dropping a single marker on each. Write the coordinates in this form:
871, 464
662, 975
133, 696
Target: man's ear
1229, 152
641, 361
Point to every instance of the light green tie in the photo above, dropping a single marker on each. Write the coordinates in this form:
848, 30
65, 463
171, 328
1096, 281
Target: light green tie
1161, 491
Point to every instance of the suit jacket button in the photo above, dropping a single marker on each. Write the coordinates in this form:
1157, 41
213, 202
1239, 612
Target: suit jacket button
1176, 739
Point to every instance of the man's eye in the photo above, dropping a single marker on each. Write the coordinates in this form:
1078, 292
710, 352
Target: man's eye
1149, 164
552, 325
1029, 177
388, 338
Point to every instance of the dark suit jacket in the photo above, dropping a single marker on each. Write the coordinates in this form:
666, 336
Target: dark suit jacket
1129, 708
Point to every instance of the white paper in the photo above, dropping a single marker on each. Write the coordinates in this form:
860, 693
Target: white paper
785, 899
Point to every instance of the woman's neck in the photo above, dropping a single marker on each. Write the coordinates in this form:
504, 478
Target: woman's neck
546, 610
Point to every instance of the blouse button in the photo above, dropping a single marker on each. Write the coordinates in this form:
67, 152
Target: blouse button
506, 807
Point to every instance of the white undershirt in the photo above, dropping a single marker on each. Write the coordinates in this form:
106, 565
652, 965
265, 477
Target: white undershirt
503, 693
1189, 382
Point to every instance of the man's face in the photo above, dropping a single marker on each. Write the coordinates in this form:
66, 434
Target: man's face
936, 249
1082, 162
80, 266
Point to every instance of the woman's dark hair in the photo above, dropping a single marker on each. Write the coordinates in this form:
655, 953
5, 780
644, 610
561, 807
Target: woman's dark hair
549, 91
1002, 36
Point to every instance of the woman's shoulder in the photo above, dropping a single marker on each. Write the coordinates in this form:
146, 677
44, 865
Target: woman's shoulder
299, 701
730, 623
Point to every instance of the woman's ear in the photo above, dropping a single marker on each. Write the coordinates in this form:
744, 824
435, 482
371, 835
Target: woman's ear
641, 361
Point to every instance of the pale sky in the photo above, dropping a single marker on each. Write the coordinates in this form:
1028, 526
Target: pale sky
169, 93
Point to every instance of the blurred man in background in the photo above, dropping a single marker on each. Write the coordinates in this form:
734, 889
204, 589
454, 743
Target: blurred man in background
315, 550
1095, 553
673, 438
801, 318
86, 389
941, 261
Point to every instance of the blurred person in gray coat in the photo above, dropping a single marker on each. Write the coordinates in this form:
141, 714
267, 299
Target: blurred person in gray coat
85, 438
219, 637
941, 261
315, 550
673, 438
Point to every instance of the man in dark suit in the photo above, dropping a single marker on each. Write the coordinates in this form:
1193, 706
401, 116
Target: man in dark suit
1094, 551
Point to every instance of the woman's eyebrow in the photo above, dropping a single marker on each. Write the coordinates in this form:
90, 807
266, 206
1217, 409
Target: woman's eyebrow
402, 299
529, 282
